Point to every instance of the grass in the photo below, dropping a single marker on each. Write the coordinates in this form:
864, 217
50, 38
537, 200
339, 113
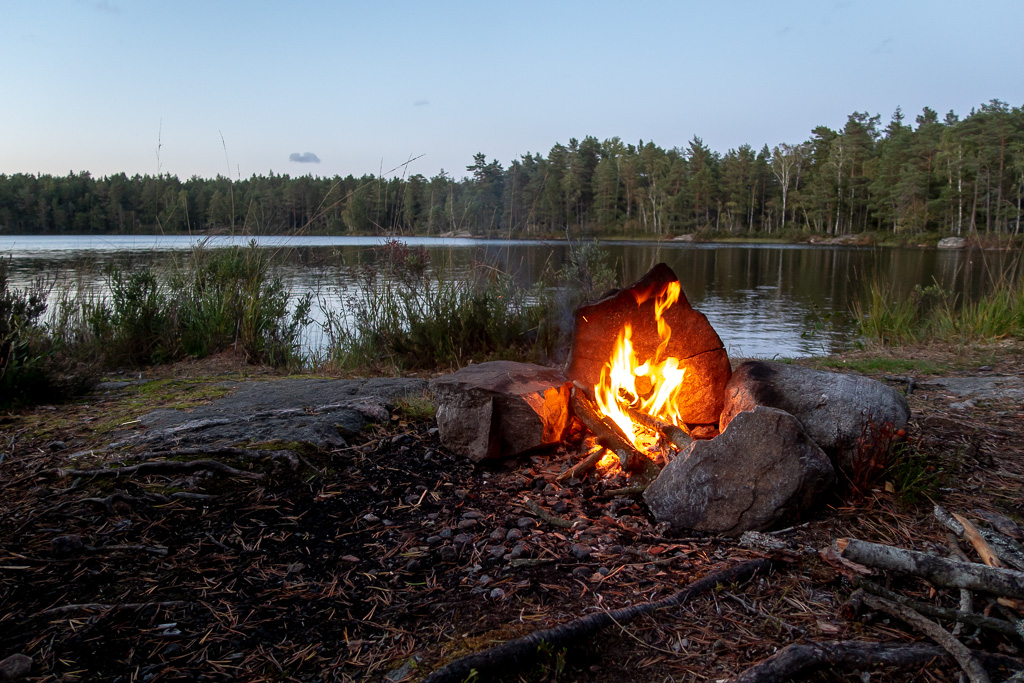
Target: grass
935, 314
885, 365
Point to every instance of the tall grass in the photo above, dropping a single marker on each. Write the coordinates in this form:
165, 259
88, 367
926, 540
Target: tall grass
935, 314
408, 312
211, 300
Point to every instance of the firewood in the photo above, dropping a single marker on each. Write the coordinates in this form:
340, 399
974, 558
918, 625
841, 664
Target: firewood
940, 571
545, 516
606, 432
522, 650
975, 672
583, 466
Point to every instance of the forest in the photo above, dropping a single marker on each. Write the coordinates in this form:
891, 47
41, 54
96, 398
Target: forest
948, 175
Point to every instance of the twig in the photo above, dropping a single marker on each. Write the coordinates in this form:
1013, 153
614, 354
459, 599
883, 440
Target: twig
963, 656
583, 466
522, 650
547, 517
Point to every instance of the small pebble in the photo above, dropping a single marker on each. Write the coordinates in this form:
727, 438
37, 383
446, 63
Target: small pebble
497, 594
559, 507
464, 539
472, 514
433, 540
498, 551
526, 522
63, 546
57, 446
172, 649
616, 550
498, 534
604, 571
513, 535
484, 579
412, 565
446, 553
467, 524
371, 518
581, 572
580, 552
432, 516
15, 667
446, 532
518, 551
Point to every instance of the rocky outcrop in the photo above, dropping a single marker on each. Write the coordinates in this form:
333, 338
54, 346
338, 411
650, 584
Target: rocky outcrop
694, 342
836, 410
501, 409
763, 470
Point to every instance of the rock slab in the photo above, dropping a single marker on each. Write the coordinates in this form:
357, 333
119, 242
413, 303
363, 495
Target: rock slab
761, 471
317, 411
501, 409
694, 342
15, 668
836, 410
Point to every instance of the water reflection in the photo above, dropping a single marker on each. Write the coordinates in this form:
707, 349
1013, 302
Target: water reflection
764, 300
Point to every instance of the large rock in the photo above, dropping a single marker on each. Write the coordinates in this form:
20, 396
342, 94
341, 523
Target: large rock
761, 471
694, 342
837, 410
501, 409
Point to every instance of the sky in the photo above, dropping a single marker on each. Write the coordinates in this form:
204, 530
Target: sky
223, 87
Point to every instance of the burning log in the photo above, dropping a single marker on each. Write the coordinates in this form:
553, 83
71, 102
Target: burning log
608, 434
671, 433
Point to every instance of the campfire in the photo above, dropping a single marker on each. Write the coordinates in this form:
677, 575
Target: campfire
708, 449
649, 374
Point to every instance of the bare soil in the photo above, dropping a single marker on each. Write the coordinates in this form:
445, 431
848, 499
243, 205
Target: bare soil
362, 559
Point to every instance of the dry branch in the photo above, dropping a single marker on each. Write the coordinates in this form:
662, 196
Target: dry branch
981, 621
522, 650
940, 571
671, 433
100, 607
963, 656
162, 467
796, 659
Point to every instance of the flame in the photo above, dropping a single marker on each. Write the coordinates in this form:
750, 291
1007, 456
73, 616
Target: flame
649, 385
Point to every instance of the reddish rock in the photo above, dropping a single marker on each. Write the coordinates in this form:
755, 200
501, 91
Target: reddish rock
694, 342
501, 409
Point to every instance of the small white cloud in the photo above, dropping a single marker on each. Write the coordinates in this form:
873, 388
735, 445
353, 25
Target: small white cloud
105, 6
421, 103
306, 158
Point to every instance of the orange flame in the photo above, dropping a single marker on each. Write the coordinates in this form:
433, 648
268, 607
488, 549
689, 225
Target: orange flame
661, 379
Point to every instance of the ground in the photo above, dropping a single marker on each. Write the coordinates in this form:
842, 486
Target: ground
351, 563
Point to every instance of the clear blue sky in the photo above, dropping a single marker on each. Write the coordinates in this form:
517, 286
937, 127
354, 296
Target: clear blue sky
364, 86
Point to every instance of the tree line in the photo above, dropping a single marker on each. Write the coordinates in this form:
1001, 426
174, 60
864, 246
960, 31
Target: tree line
949, 175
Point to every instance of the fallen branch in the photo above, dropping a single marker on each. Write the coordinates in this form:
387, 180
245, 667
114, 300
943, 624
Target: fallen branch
975, 672
978, 620
99, 607
162, 467
522, 650
940, 571
800, 658
227, 451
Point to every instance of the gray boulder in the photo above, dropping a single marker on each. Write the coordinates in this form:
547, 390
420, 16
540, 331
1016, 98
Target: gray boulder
836, 410
15, 668
501, 409
761, 471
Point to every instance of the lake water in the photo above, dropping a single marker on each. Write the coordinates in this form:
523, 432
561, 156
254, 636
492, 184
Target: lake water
764, 300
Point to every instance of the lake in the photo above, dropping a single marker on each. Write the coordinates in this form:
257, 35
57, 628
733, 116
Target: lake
764, 300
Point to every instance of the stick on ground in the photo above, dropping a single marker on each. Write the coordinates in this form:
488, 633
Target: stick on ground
522, 650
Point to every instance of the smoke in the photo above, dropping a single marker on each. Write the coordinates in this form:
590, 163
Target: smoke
307, 158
